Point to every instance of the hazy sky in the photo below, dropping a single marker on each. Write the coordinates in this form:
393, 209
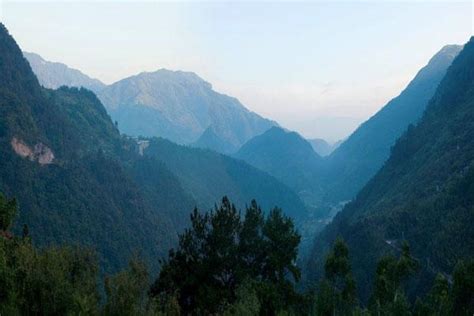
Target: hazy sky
319, 68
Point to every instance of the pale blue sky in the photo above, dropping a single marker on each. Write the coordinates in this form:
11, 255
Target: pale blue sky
319, 68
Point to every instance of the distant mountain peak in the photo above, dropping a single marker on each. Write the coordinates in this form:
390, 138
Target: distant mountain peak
451, 50
181, 106
55, 74
174, 76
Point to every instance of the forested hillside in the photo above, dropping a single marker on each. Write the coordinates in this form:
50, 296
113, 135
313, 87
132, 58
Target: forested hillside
64, 159
359, 157
423, 194
208, 176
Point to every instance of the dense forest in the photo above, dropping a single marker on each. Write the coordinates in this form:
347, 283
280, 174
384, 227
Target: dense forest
225, 264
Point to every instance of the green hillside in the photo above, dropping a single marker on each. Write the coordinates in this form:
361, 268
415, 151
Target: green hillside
423, 194
77, 179
208, 176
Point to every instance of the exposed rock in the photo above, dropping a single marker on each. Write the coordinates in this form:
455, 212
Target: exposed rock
21, 148
40, 153
43, 154
142, 145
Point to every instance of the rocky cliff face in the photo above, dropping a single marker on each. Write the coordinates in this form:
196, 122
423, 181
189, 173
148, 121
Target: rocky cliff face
40, 152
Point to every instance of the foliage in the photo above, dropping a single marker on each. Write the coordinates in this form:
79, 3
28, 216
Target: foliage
65, 281
220, 253
388, 296
338, 289
7, 212
463, 288
126, 291
57, 281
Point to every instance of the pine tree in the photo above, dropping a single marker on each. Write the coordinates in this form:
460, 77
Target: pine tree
220, 252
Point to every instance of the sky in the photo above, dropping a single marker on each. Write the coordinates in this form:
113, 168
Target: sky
319, 68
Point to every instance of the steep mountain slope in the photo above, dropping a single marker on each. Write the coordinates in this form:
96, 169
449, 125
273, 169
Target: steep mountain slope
424, 192
322, 147
359, 157
77, 179
209, 176
54, 75
288, 157
179, 106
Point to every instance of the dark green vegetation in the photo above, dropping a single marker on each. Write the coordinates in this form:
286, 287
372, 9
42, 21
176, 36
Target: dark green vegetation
225, 264
208, 176
223, 252
65, 280
336, 294
80, 182
423, 193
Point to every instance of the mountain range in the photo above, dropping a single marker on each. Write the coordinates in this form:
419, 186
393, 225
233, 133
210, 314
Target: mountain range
176, 105
403, 175
327, 182
79, 181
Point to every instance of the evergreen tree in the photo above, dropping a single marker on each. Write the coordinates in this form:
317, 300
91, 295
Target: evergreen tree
338, 289
221, 252
388, 295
